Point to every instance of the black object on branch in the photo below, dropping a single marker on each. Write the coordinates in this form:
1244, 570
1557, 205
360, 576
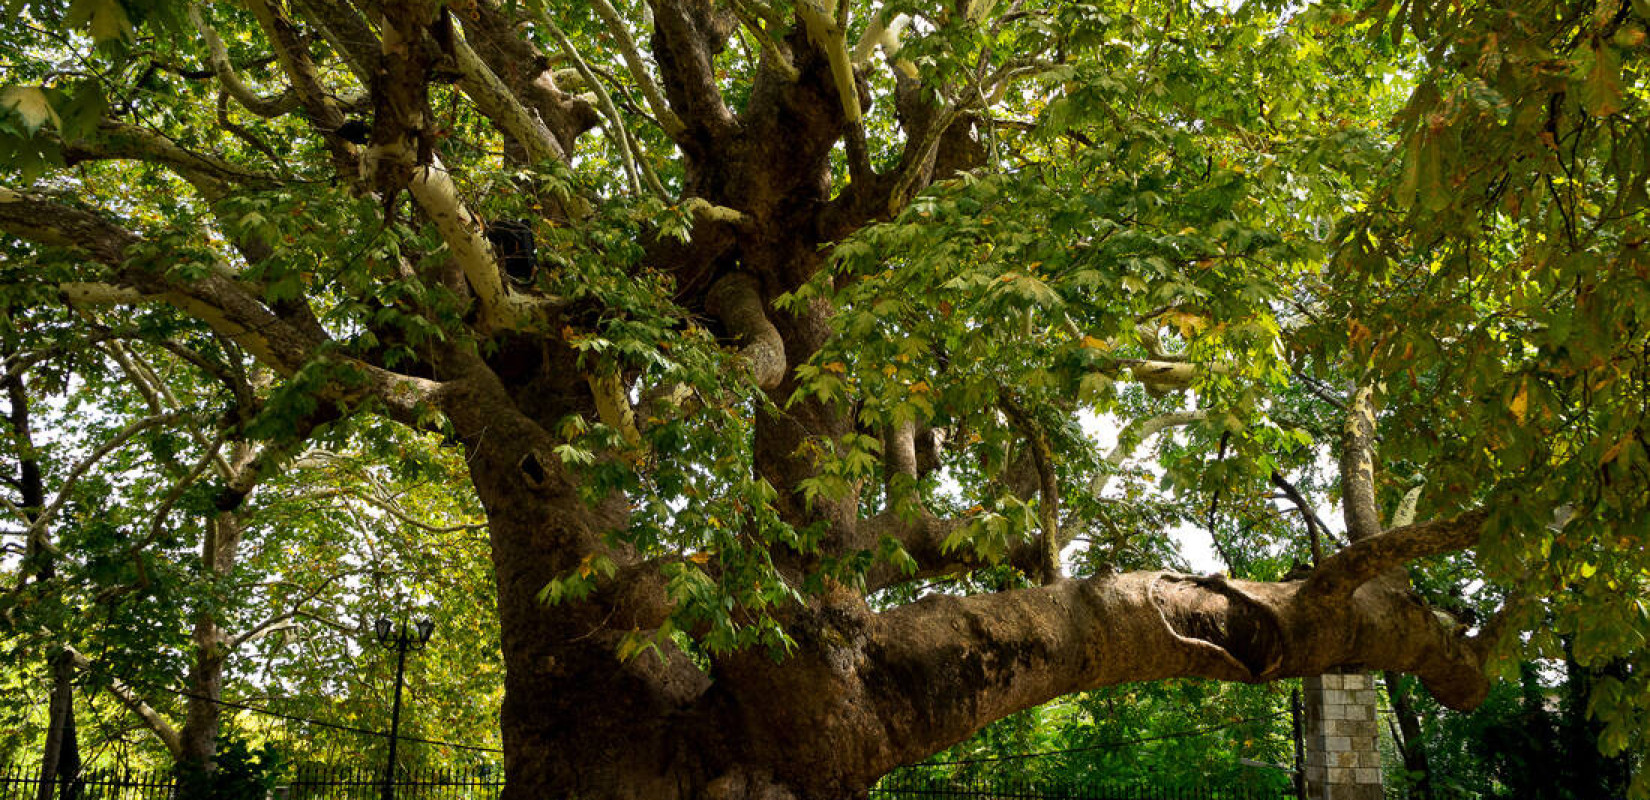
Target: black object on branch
354, 131
512, 241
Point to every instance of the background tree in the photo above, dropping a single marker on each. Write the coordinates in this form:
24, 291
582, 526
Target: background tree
147, 566
820, 293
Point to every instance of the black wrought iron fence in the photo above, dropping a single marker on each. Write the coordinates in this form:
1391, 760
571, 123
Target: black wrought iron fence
917, 786
486, 783
19, 783
305, 784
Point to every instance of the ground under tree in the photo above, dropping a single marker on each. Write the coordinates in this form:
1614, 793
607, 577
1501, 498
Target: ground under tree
819, 293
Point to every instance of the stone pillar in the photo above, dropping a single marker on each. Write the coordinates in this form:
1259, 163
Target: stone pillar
1343, 760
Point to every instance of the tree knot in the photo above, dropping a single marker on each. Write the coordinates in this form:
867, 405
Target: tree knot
1210, 613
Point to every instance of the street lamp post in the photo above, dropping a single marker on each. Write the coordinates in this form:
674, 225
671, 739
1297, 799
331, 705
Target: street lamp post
400, 640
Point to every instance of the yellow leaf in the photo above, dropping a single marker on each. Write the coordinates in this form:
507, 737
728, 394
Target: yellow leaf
1615, 450
1601, 90
30, 103
700, 558
836, 366
920, 387
1095, 343
1187, 325
1356, 332
1520, 404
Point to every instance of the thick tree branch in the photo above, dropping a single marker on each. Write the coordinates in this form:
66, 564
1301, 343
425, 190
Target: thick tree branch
686, 35
899, 459
217, 57
928, 674
737, 301
494, 99
1366, 559
217, 299
210, 174
500, 307
1358, 504
656, 103
613, 405
828, 33
152, 719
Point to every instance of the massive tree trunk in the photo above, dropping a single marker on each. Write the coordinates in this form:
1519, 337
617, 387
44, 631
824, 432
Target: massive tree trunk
866, 692
863, 692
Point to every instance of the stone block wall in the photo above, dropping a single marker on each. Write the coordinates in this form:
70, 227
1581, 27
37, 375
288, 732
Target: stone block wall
1343, 759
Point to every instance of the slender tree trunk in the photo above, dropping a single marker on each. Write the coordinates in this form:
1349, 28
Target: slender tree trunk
199, 736
1411, 746
61, 754
200, 728
60, 762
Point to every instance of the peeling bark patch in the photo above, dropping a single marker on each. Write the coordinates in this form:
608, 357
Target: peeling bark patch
1211, 612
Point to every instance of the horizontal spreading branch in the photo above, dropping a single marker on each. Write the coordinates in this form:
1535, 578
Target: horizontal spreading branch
120, 141
929, 674
218, 299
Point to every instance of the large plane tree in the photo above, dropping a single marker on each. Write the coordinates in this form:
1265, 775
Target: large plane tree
776, 334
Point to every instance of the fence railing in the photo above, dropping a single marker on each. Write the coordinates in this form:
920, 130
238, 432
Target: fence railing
306, 783
926, 787
303, 784
17, 783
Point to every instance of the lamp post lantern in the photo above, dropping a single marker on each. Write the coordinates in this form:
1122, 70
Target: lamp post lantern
400, 640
